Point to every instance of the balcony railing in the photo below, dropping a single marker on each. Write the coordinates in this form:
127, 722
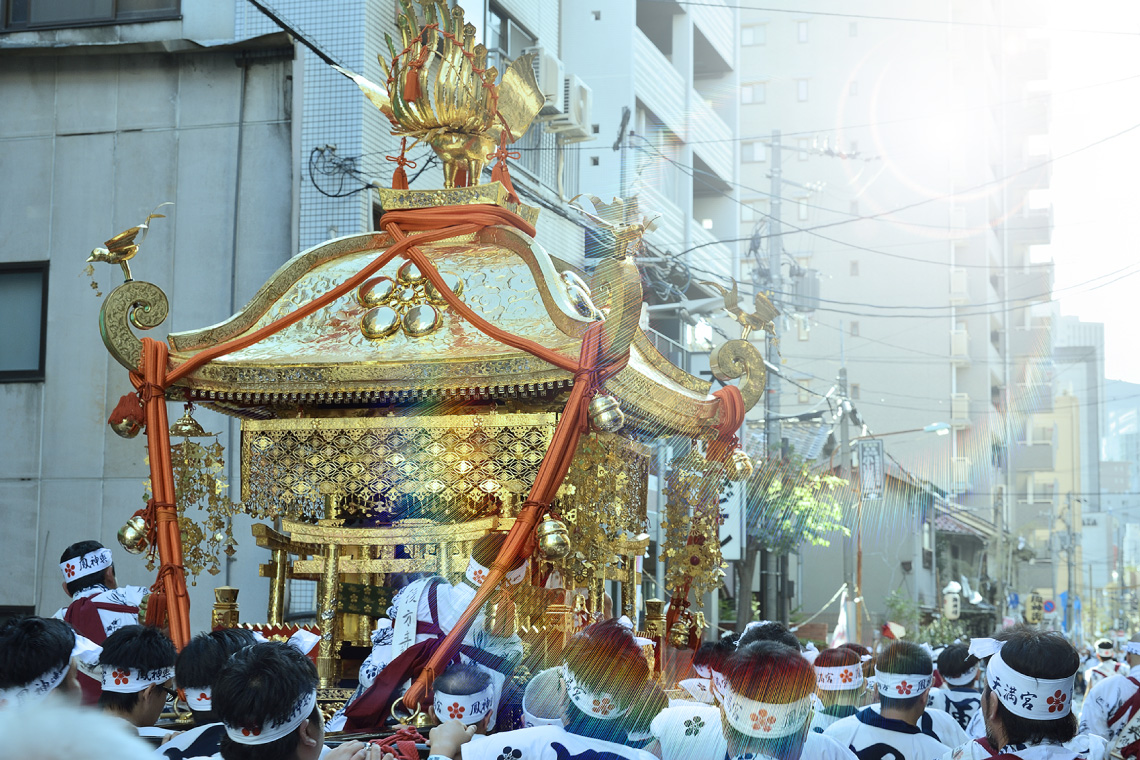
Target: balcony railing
711, 137
712, 256
1034, 283
657, 83
670, 229
714, 19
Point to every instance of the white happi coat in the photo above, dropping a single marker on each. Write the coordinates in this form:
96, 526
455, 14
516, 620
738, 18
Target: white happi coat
822, 717
130, 596
1080, 747
936, 724
872, 737
548, 743
688, 731
1104, 670
1104, 702
960, 703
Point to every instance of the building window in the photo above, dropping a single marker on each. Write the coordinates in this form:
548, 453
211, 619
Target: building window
803, 146
753, 151
49, 14
854, 329
853, 29
803, 395
505, 38
855, 268
23, 312
801, 31
802, 209
754, 210
854, 391
753, 92
755, 34
802, 90
853, 87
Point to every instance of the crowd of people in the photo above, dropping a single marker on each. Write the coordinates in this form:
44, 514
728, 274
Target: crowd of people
91, 680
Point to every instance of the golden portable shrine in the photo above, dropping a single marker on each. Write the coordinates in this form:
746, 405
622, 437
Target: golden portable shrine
405, 391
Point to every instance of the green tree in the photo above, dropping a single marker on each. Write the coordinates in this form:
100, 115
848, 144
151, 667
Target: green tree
786, 506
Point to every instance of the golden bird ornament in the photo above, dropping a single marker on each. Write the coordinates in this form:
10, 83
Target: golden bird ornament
762, 319
125, 245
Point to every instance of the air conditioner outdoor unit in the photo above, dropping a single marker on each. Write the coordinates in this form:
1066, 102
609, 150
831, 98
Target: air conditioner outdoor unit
574, 122
548, 74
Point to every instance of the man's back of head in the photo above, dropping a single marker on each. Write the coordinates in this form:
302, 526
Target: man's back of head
768, 630
200, 663
138, 668
35, 659
903, 675
85, 564
605, 671
1029, 687
267, 698
774, 681
465, 693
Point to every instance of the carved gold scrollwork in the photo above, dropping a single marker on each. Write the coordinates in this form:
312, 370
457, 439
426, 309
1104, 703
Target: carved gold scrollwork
133, 303
739, 358
616, 285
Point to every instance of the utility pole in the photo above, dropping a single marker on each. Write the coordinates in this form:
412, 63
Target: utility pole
845, 474
771, 579
1071, 581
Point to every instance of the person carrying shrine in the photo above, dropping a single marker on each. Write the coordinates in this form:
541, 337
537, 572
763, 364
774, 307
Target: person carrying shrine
198, 666
266, 697
138, 675
38, 657
959, 697
603, 673
891, 729
1111, 709
1108, 665
839, 686
464, 693
99, 606
422, 614
1027, 700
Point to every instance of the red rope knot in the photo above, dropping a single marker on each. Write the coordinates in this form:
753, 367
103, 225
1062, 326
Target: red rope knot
731, 418
149, 391
400, 177
500, 172
402, 744
164, 570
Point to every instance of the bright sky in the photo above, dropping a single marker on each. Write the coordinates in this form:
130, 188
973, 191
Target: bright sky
1096, 193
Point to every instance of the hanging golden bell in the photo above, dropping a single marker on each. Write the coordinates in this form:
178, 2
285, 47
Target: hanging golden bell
126, 427
679, 634
606, 414
739, 466
553, 539
188, 427
132, 536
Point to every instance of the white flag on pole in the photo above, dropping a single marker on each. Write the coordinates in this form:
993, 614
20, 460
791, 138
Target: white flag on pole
839, 635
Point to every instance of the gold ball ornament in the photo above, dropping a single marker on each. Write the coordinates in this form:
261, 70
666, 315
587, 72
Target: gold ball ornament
126, 428
679, 634
739, 466
452, 281
375, 292
606, 414
421, 320
380, 322
553, 539
409, 274
132, 536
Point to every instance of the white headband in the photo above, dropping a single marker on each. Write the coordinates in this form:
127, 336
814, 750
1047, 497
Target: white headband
91, 562
810, 652
200, 698
602, 705
720, 685
765, 720
1132, 647
838, 677
36, 691
469, 709
962, 680
477, 573
704, 671
130, 681
544, 680
901, 685
265, 734
698, 689
1026, 696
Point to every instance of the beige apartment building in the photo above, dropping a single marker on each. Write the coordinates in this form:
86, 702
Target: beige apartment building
906, 164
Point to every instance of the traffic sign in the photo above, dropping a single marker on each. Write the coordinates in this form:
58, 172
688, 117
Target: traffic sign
1049, 606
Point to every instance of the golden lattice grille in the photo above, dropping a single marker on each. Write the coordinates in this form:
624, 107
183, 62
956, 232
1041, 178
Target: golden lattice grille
446, 468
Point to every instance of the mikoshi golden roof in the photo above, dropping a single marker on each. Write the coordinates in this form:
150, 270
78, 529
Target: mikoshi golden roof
393, 339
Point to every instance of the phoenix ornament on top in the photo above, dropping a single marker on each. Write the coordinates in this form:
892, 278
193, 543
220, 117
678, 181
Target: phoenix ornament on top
125, 245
